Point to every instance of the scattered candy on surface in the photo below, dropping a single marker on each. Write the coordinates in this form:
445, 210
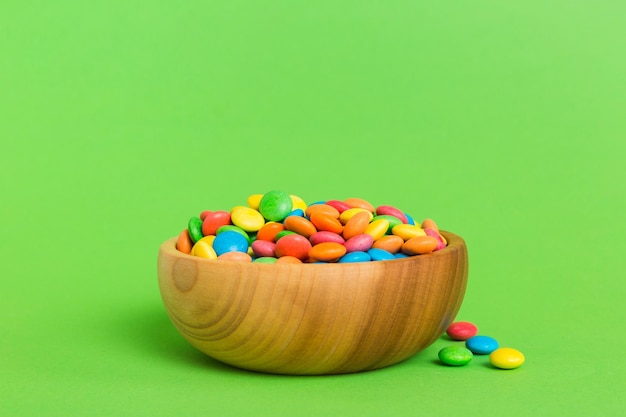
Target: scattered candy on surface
462, 330
455, 355
481, 345
506, 358
278, 225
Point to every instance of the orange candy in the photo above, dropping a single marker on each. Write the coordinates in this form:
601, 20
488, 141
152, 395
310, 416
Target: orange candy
184, 243
322, 209
390, 243
436, 235
360, 203
356, 225
348, 214
300, 225
420, 245
269, 231
324, 222
327, 252
429, 224
235, 256
288, 260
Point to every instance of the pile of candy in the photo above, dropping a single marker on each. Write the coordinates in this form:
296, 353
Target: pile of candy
277, 227
500, 357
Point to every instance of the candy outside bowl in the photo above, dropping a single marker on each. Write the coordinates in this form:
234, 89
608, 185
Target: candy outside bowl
313, 319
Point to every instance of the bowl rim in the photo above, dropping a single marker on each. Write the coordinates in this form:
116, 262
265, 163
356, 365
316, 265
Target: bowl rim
455, 243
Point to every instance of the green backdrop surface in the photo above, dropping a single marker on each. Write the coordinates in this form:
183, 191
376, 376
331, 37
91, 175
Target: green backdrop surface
504, 121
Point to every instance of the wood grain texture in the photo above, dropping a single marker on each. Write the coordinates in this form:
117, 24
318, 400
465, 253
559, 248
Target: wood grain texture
313, 319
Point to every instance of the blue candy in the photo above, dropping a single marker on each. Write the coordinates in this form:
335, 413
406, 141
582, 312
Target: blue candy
230, 241
356, 256
481, 345
296, 212
380, 254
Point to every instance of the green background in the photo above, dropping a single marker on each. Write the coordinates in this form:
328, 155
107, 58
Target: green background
504, 121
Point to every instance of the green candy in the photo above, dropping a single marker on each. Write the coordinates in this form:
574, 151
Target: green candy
455, 355
284, 233
393, 221
275, 205
265, 260
195, 229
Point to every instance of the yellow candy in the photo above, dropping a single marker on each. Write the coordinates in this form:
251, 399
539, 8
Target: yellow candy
203, 249
254, 201
377, 228
407, 231
298, 203
208, 239
237, 207
506, 358
247, 219
348, 214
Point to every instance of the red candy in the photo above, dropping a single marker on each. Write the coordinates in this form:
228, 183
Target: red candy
339, 205
391, 211
213, 221
293, 245
204, 214
462, 330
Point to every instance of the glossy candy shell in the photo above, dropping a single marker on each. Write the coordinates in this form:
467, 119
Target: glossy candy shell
507, 358
293, 245
455, 355
230, 241
275, 205
481, 345
462, 330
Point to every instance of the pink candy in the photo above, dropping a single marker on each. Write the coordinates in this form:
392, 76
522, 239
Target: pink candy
392, 211
325, 236
462, 330
361, 242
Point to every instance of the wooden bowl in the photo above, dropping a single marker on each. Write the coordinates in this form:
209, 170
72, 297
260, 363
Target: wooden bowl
313, 319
